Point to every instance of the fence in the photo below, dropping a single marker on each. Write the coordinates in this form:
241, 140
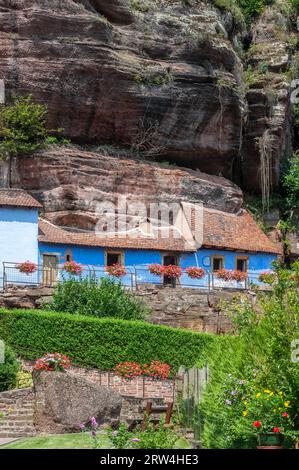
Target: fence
193, 384
136, 277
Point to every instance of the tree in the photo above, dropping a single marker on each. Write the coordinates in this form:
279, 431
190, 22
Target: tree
22, 128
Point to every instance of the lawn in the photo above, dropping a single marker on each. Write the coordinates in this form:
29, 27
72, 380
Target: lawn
65, 441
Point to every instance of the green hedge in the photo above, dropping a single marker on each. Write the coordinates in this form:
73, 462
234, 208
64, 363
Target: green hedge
100, 343
8, 370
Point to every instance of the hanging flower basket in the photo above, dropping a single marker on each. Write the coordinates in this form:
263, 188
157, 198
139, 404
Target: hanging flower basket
227, 275
52, 363
172, 271
156, 269
195, 273
116, 270
27, 267
73, 268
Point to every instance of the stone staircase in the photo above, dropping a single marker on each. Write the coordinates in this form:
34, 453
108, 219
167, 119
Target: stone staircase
17, 413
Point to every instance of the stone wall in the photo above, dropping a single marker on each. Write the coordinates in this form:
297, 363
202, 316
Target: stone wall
181, 307
139, 387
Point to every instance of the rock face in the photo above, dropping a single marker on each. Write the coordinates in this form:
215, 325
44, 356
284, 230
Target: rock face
268, 127
64, 400
71, 183
110, 71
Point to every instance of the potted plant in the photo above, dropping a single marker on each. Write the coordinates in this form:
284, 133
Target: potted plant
172, 271
156, 269
116, 270
195, 272
71, 267
231, 275
27, 267
268, 415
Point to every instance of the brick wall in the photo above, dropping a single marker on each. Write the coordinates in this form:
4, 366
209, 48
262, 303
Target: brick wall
138, 387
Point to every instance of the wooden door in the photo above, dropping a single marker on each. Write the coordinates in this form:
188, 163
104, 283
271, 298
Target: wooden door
49, 270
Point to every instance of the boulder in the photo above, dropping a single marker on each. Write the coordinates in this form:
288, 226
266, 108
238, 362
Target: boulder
63, 401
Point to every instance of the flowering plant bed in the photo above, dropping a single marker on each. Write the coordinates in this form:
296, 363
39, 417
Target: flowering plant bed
27, 267
52, 363
172, 271
116, 270
230, 275
73, 268
268, 413
195, 273
156, 269
128, 370
155, 369
267, 278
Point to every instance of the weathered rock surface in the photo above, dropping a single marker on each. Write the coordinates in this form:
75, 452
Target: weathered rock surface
107, 69
268, 97
64, 400
71, 183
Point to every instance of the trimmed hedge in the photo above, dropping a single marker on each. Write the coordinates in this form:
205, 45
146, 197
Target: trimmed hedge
8, 370
99, 342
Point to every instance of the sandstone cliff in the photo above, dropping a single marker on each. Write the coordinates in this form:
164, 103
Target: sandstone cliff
185, 82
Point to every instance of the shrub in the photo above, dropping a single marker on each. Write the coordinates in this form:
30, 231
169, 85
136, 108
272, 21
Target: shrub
22, 127
8, 370
100, 343
260, 357
106, 299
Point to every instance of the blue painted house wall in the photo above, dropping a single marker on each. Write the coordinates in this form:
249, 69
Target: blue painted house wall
258, 262
18, 235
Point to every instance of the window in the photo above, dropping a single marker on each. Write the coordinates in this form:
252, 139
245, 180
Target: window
68, 256
217, 263
242, 264
114, 257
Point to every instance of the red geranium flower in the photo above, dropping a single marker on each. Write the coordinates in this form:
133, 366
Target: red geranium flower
285, 415
276, 430
257, 424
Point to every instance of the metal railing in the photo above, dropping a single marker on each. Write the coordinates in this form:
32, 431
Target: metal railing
136, 278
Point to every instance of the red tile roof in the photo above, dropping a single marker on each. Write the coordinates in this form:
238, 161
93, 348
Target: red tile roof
18, 198
220, 230
235, 232
50, 233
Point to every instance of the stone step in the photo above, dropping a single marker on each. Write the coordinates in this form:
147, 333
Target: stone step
17, 427
16, 422
16, 434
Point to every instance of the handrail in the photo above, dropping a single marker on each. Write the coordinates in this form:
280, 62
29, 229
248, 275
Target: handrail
135, 278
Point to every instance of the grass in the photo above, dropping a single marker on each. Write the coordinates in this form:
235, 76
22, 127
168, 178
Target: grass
57, 441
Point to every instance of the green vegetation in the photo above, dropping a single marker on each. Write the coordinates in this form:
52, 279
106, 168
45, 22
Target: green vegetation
8, 370
290, 184
22, 127
259, 358
106, 299
100, 343
60, 441
153, 76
